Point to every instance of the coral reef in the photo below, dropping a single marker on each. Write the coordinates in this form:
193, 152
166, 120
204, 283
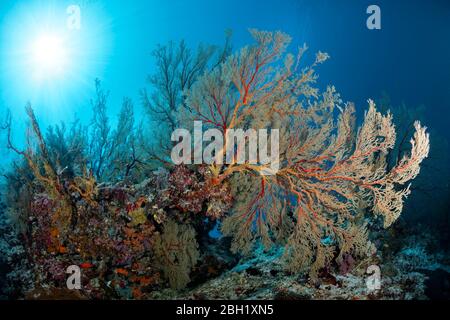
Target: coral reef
105, 200
404, 276
331, 175
176, 251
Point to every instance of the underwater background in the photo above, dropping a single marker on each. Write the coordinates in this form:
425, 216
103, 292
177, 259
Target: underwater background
404, 67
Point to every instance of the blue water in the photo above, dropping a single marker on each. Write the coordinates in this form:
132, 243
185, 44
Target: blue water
409, 57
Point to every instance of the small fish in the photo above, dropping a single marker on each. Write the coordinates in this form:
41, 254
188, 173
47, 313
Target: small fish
122, 271
86, 265
63, 249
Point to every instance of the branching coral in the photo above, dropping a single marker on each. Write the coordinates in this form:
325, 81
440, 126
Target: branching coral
177, 68
114, 155
46, 175
329, 172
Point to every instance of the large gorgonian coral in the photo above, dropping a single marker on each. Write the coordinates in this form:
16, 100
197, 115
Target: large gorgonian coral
331, 175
